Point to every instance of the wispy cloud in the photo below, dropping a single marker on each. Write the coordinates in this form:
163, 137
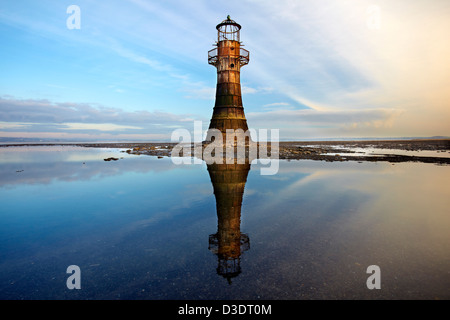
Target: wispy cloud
308, 123
315, 67
328, 117
45, 111
137, 57
43, 118
110, 127
276, 104
14, 125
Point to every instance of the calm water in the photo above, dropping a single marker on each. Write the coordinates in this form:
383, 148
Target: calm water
144, 228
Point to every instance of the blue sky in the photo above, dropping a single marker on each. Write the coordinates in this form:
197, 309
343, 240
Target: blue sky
138, 69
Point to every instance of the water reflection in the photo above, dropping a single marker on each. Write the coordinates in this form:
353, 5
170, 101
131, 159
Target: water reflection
228, 243
138, 228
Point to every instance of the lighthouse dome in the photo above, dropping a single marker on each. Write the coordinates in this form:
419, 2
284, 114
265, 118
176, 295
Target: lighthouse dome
228, 30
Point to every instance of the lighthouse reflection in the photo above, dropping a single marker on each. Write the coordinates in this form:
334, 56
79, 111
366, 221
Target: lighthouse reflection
228, 243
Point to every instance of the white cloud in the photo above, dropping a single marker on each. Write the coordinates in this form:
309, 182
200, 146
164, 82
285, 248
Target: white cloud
333, 62
320, 55
44, 119
198, 90
276, 104
308, 123
13, 125
98, 126
248, 90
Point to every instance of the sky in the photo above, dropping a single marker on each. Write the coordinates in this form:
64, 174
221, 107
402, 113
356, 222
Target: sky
138, 70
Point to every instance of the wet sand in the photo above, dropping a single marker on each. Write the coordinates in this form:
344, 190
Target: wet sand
311, 150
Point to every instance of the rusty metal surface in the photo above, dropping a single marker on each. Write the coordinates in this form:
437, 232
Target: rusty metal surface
228, 58
229, 51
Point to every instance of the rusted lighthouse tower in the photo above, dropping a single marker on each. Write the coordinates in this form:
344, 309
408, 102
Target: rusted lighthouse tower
228, 58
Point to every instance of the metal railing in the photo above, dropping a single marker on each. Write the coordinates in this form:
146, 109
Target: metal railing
212, 56
244, 56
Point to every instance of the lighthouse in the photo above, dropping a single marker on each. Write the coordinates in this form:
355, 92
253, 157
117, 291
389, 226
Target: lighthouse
228, 57
228, 179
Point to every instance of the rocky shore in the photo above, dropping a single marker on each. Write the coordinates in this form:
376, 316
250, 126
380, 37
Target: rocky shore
381, 150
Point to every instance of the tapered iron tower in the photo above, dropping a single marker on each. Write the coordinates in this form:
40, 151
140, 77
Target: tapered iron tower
228, 58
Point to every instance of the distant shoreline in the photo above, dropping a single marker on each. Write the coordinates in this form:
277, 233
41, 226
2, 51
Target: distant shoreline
301, 150
438, 142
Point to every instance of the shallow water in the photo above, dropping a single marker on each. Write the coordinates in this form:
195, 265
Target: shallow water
371, 151
144, 228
